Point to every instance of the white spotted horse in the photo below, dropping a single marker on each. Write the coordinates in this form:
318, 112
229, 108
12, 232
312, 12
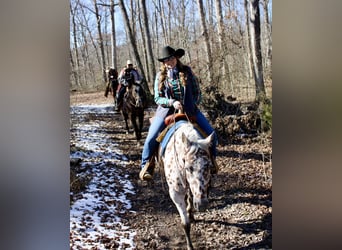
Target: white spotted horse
134, 103
185, 155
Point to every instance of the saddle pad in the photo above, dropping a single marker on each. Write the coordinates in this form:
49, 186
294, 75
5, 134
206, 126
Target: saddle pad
169, 133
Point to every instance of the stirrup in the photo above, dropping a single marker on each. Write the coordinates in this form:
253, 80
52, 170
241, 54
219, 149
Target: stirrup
146, 173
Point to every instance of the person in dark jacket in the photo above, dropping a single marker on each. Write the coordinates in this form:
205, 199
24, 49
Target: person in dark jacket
128, 73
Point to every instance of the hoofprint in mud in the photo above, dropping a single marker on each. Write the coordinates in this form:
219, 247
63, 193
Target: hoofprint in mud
96, 214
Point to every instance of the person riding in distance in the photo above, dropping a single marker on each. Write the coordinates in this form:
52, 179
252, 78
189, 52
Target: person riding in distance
175, 88
126, 73
112, 75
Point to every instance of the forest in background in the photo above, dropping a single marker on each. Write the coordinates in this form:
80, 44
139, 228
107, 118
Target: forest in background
228, 44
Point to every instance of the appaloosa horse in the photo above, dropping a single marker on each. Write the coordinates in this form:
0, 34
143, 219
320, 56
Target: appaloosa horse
134, 103
187, 164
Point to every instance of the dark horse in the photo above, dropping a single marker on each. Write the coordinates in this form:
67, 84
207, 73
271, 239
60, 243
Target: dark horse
113, 87
112, 83
134, 103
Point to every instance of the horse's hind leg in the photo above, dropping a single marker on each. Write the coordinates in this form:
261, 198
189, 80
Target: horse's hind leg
179, 200
135, 126
126, 122
140, 122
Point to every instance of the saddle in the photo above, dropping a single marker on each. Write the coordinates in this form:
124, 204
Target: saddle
172, 123
177, 117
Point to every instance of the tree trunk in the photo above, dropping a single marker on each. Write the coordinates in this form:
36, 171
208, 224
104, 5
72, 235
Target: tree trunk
143, 45
268, 38
220, 29
151, 66
254, 32
77, 65
98, 19
113, 36
106, 36
74, 74
248, 49
206, 40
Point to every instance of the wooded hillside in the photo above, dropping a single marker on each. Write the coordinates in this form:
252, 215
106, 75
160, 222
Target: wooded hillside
227, 42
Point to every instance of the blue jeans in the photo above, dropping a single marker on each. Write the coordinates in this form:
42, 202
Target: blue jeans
158, 125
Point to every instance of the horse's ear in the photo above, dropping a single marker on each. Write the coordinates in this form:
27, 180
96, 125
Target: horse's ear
207, 142
210, 138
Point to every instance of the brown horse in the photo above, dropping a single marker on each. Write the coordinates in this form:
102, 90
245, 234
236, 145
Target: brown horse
134, 103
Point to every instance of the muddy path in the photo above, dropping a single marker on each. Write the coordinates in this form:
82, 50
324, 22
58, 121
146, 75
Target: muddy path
239, 215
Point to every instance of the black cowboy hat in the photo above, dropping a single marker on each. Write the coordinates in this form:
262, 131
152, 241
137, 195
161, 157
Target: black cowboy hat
167, 52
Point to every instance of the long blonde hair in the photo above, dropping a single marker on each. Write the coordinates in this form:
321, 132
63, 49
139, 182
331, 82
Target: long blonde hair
163, 74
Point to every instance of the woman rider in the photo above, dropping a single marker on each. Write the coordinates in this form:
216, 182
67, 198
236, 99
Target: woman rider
175, 87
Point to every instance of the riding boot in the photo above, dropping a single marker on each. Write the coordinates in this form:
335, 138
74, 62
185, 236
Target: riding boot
146, 173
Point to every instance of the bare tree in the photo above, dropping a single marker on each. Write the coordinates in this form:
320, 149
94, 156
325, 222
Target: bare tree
86, 25
98, 19
268, 38
152, 70
132, 41
162, 19
206, 40
248, 48
113, 36
220, 57
220, 28
143, 42
73, 72
255, 47
77, 64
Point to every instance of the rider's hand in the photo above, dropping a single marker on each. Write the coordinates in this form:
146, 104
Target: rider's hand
177, 105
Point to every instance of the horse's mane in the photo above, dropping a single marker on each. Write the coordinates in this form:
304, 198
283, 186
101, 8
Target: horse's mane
194, 138
190, 132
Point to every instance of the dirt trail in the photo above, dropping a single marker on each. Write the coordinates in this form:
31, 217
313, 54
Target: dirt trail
240, 211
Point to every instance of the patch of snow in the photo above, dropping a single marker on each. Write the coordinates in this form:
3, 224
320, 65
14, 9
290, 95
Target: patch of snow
96, 219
